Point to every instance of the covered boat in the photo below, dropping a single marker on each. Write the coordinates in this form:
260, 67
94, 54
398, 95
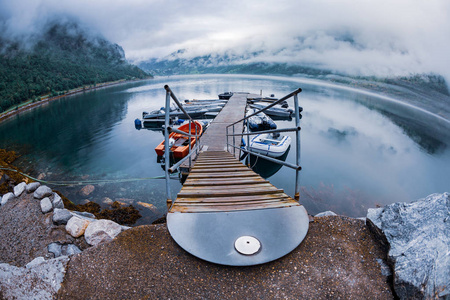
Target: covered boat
260, 121
273, 145
277, 110
179, 143
226, 95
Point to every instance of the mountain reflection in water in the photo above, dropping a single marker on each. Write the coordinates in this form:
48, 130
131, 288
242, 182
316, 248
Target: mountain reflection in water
357, 150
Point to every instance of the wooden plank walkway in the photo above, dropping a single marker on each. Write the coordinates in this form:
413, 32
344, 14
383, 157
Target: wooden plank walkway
227, 214
214, 138
219, 182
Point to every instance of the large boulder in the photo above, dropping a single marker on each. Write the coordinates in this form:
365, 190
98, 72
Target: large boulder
19, 189
42, 191
418, 237
101, 231
40, 279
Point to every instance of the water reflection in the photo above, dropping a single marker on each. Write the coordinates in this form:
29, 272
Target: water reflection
264, 167
358, 150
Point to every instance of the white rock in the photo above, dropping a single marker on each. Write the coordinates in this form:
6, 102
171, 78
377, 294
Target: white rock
57, 201
101, 231
42, 191
325, 213
417, 235
46, 205
31, 187
76, 226
40, 279
7, 197
35, 262
19, 189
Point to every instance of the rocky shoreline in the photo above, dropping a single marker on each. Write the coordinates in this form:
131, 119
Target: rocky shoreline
49, 251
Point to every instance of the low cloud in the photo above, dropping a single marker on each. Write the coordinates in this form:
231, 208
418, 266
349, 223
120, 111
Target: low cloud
357, 37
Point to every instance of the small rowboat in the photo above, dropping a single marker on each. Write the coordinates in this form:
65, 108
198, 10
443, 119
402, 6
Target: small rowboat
179, 143
270, 145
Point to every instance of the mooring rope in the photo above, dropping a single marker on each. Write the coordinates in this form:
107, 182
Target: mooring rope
86, 182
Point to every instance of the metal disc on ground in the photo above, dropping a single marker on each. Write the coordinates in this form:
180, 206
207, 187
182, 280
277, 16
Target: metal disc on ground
218, 237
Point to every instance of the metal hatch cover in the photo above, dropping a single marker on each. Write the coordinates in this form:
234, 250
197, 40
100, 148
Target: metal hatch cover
240, 238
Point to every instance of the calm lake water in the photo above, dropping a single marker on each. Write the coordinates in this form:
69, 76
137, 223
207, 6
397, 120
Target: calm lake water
359, 150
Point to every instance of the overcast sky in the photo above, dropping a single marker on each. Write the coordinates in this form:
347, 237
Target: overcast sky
379, 37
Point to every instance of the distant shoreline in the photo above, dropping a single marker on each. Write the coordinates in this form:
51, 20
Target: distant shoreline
25, 107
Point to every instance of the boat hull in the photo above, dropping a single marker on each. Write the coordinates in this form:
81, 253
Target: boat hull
263, 144
181, 143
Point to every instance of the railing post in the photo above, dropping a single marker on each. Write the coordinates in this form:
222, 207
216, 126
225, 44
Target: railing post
297, 135
189, 138
234, 143
167, 150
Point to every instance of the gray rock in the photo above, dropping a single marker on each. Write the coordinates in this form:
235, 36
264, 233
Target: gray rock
101, 231
46, 205
40, 279
55, 248
19, 189
31, 187
57, 201
70, 249
35, 262
325, 213
42, 191
76, 226
84, 215
7, 197
61, 216
63, 249
418, 237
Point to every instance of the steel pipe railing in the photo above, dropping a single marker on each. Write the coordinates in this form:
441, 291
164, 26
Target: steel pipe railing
167, 130
296, 129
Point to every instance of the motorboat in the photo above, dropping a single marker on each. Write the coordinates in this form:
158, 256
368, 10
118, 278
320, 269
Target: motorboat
194, 112
270, 144
260, 121
180, 143
226, 95
276, 110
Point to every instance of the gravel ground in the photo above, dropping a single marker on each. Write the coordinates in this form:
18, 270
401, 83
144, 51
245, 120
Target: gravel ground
337, 259
25, 232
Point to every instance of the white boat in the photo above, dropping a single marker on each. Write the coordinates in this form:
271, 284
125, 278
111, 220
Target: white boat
269, 144
276, 110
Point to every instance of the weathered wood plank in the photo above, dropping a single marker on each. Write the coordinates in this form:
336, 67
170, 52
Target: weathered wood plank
279, 196
217, 208
224, 181
227, 193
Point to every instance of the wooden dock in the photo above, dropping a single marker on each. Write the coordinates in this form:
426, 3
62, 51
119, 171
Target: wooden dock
214, 139
219, 182
227, 214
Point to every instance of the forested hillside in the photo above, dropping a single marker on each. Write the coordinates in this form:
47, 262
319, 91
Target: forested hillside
63, 57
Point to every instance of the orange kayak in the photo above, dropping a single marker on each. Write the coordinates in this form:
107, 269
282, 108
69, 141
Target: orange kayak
180, 143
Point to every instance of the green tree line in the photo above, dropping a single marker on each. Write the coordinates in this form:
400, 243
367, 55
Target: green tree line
59, 62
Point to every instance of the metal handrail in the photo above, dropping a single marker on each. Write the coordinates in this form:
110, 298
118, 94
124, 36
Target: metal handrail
167, 129
297, 129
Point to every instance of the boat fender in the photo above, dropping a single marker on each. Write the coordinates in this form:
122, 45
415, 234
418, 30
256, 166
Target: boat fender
171, 142
138, 124
180, 121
